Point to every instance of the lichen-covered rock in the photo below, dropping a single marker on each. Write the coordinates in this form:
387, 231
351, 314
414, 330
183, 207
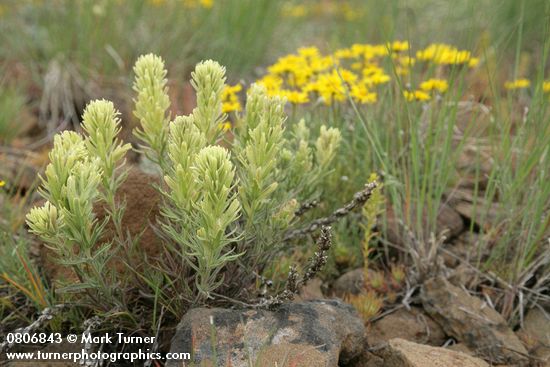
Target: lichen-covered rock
404, 353
313, 333
472, 321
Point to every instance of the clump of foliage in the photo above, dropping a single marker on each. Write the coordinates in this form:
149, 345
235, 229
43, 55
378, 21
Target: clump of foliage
371, 211
378, 286
11, 104
367, 303
229, 207
370, 300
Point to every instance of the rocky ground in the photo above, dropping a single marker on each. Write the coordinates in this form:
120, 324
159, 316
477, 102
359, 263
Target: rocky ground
454, 330
448, 328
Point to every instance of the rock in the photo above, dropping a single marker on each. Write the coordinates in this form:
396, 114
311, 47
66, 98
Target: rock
463, 275
313, 290
142, 207
403, 353
536, 334
474, 163
20, 168
351, 282
474, 207
368, 359
313, 333
471, 124
461, 347
462, 248
413, 325
448, 220
537, 325
471, 321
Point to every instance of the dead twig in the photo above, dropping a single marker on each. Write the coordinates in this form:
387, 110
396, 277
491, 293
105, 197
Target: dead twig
358, 200
305, 207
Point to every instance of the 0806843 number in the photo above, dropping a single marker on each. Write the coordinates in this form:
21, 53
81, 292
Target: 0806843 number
37, 338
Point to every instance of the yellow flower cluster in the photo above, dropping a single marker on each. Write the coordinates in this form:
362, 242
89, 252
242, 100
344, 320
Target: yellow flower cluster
430, 85
357, 72
426, 88
523, 83
417, 95
191, 4
2, 183
446, 55
230, 98
517, 84
207, 4
339, 8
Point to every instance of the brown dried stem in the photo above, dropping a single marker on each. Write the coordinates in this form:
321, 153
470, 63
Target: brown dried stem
358, 200
294, 281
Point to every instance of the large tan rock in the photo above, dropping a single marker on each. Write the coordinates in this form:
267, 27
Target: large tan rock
403, 353
471, 321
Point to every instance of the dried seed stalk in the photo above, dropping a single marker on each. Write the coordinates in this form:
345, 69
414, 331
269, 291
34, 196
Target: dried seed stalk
358, 200
294, 281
